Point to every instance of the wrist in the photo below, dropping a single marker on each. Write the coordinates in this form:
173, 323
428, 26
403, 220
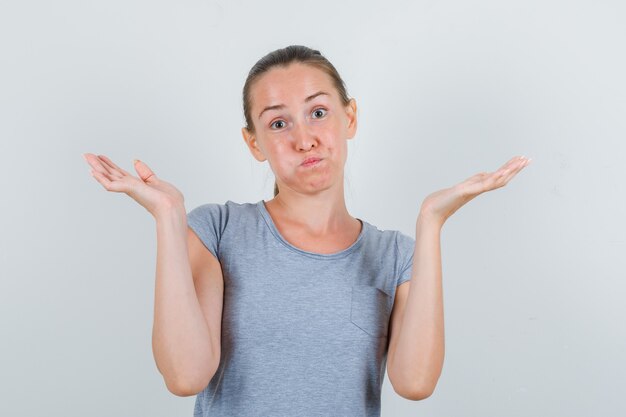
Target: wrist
428, 219
169, 210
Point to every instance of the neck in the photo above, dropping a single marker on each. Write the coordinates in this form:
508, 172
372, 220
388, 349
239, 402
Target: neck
322, 214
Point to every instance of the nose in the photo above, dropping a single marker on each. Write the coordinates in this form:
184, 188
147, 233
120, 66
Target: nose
303, 138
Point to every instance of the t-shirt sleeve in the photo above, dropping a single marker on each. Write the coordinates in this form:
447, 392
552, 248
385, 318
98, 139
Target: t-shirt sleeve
405, 245
208, 221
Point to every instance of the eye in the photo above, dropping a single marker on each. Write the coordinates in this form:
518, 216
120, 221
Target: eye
320, 109
277, 121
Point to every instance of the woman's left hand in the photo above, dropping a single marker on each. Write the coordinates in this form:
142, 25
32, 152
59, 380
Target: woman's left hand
440, 205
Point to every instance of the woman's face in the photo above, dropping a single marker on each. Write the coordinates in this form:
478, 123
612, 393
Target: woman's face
293, 122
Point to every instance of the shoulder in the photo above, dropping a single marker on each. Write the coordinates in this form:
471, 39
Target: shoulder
211, 221
390, 238
404, 241
395, 249
219, 211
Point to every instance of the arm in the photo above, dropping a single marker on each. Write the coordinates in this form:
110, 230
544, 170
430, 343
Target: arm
185, 352
189, 281
416, 349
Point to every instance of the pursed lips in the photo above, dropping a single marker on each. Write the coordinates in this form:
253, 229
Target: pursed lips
310, 161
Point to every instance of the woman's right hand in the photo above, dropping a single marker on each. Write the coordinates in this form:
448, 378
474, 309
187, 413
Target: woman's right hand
147, 189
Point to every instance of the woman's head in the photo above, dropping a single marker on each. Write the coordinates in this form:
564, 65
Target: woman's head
285, 123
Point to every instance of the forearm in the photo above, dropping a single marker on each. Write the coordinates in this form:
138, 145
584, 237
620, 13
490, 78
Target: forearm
180, 335
420, 348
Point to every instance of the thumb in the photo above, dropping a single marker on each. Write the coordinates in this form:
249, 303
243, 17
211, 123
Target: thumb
145, 173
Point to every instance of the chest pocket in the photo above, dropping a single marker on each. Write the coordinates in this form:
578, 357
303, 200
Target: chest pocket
370, 309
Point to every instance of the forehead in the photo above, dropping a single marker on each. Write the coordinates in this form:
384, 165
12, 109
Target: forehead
292, 83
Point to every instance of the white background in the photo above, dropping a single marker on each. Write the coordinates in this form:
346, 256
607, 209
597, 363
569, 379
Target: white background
533, 272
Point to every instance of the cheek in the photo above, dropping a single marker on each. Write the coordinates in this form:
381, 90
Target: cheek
284, 157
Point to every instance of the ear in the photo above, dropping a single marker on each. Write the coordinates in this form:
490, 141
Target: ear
351, 113
253, 145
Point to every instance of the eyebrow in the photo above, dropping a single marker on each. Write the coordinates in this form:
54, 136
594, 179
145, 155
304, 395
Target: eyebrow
282, 106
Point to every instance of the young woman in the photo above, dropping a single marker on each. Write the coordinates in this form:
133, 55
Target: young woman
292, 306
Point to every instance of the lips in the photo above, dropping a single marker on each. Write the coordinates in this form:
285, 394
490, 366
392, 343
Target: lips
311, 160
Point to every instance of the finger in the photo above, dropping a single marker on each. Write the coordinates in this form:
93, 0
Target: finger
510, 166
111, 173
507, 163
521, 166
505, 179
92, 160
511, 163
100, 165
108, 176
512, 172
101, 178
145, 173
114, 172
503, 170
96, 163
110, 169
108, 185
112, 165
503, 175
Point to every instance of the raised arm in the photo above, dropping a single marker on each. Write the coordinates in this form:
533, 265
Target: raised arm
189, 284
416, 346
186, 349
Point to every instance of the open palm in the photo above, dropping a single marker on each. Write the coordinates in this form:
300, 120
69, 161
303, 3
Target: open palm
441, 204
147, 189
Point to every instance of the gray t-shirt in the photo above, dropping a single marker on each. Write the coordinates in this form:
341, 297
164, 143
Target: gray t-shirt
303, 333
